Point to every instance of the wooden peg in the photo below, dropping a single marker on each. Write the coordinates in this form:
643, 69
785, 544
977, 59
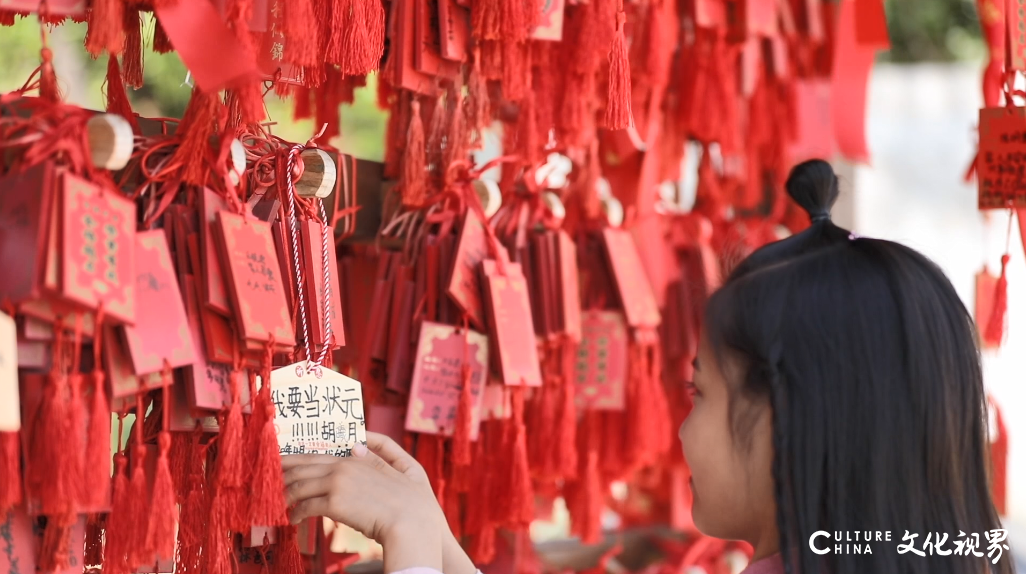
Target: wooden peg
489, 194
554, 205
237, 153
613, 210
319, 174
110, 141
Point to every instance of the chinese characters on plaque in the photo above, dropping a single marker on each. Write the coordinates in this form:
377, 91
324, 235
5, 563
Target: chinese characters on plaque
317, 410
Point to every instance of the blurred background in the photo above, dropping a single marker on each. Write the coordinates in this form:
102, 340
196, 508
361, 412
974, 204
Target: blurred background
923, 100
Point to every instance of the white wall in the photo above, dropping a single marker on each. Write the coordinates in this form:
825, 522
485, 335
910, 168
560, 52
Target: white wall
920, 124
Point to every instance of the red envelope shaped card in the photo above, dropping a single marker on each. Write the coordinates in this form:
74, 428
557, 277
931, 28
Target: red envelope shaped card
442, 351
255, 284
317, 410
25, 212
636, 296
454, 28
509, 309
97, 260
161, 330
465, 280
318, 249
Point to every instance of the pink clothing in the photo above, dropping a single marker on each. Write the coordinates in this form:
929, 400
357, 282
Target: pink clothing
420, 571
771, 565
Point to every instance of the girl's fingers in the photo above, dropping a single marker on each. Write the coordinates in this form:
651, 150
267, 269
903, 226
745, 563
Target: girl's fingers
293, 460
310, 507
300, 491
307, 471
392, 453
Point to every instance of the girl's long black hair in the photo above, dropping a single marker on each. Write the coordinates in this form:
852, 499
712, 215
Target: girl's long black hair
869, 362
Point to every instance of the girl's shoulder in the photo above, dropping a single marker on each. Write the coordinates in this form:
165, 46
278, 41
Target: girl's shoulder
770, 565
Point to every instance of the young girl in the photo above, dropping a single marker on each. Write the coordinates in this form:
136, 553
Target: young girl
839, 421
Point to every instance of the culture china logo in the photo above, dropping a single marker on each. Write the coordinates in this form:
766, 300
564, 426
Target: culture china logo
934, 543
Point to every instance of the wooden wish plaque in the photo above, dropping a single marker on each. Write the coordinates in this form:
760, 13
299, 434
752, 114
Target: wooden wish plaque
509, 310
317, 410
442, 352
632, 284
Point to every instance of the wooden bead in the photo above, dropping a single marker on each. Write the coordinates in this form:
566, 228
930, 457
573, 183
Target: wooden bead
489, 194
319, 174
110, 141
613, 210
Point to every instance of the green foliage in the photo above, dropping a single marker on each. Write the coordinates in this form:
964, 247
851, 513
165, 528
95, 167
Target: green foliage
933, 31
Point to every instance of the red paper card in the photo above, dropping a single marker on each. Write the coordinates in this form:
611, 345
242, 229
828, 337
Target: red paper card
710, 13
813, 106
550, 21
312, 233
98, 248
632, 284
985, 285
454, 27
409, 77
124, 382
53, 8
496, 404
509, 309
214, 295
48, 312
1000, 164
386, 420
428, 38
25, 208
257, 293
438, 379
465, 282
207, 381
161, 331
871, 24
602, 361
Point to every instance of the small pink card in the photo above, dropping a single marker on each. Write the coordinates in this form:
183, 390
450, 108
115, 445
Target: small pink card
437, 378
602, 361
550, 21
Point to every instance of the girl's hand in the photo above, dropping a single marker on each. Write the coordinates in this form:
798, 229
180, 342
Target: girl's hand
383, 494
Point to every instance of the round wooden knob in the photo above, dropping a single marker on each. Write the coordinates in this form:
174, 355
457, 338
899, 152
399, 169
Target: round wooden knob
110, 141
489, 194
613, 210
319, 174
603, 189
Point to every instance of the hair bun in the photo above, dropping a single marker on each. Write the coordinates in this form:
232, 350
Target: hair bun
813, 185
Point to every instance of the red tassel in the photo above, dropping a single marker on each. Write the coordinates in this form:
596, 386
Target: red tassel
521, 496
10, 469
96, 469
48, 89
93, 553
301, 41
117, 97
179, 461
413, 185
6, 18
137, 513
456, 144
216, 550
53, 551
49, 467
288, 560
995, 331
267, 505
478, 116
161, 42
132, 58
195, 513
230, 476
160, 537
106, 30
485, 19
301, 101
118, 528
374, 12
999, 462
195, 130
249, 95
461, 435
566, 433
342, 23
618, 103
584, 497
